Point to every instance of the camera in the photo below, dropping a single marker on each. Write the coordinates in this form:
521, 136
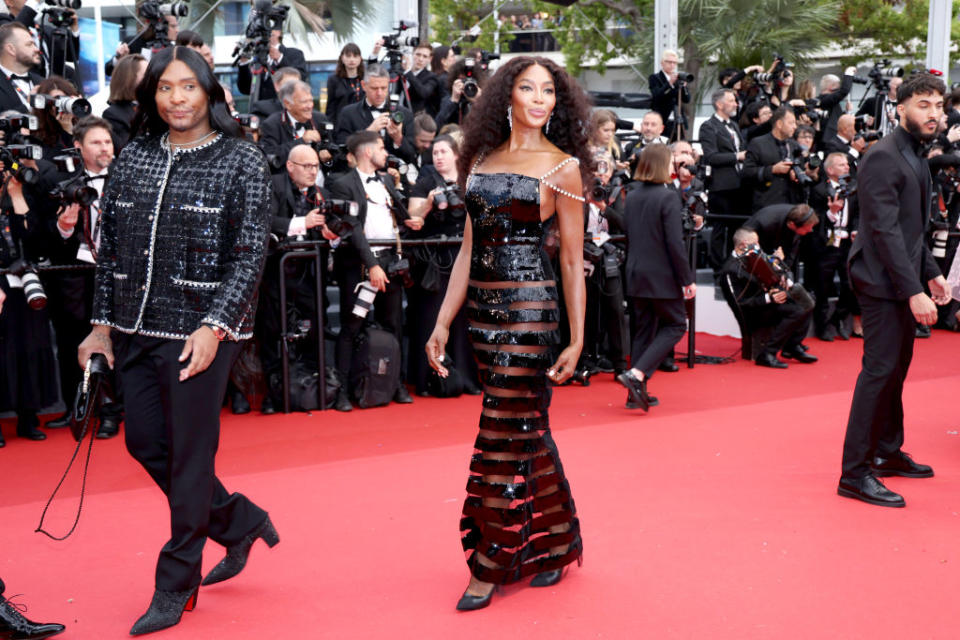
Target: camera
881, 73
470, 86
771, 273
11, 154
264, 18
153, 10
393, 162
32, 287
61, 104
340, 216
801, 163
74, 189
868, 136
683, 76
611, 191
613, 257
486, 57
61, 16
394, 105
775, 74
811, 110
448, 196
846, 188
400, 269
247, 120
16, 123
397, 40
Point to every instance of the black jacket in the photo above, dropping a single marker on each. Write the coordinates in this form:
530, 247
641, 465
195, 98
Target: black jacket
657, 264
768, 188
720, 153
819, 200
340, 93
9, 98
357, 116
263, 109
291, 58
832, 103
834, 144
664, 97
770, 223
120, 115
889, 258
183, 238
277, 138
286, 203
348, 186
424, 88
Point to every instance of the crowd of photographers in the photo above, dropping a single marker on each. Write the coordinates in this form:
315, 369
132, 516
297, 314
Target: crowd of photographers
765, 196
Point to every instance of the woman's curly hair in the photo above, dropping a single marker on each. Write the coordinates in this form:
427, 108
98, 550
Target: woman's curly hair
486, 128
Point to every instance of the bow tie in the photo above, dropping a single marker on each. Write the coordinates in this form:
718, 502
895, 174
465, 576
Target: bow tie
14, 76
373, 178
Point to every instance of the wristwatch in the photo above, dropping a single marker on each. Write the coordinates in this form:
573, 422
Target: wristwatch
217, 331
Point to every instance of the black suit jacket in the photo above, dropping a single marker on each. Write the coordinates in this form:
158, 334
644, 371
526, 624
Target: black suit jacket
768, 188
657, 264
832, 103
664, 98
276, 134
357, 116
9, 99
356, 250
120, 115
770, 223
263, 109
291, 58
819, 200
834, 144
720, 153
286, 203
889, 258
424, 88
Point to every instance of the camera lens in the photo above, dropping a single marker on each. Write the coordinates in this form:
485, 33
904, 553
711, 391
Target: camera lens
470, 88
397, 117
33, 290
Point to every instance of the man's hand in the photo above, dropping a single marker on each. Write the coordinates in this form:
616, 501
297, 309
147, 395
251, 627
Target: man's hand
673, 78
325, 156
456, 90
778, 252
97, 342
940, 290
690, 291
201, 349
835, 204
311, 135
923, 309
380, 122
741, 156
395, 131
378, 278
3, 297
850, 71
68, 219
327, 234
314, 219
122, 50
859, 144
274, 52
778, 295
781, 168
953, 134
413, 222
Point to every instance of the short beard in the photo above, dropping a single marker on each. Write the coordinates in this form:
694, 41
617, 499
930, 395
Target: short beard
916, 130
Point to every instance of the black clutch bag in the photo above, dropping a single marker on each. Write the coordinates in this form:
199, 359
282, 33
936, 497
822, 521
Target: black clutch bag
92, 392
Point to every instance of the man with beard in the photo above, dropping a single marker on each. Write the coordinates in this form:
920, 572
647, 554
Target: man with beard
889, 264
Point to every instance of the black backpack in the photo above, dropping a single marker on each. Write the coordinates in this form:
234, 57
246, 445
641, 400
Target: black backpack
375, 368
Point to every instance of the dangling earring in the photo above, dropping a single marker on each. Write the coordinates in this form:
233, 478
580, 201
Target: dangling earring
510, 117
546, 129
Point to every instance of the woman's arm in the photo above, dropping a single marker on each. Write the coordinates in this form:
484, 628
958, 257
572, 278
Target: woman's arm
570, 224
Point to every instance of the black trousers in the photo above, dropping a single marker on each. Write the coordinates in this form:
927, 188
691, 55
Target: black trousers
659, 324
875, 426
387, 311
173, 430
830, 262
605, 319
789, 321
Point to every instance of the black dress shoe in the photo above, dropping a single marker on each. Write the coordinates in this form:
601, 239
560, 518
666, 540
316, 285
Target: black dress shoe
653, 401
471, 390
58, 423
669, 365
239, 404
343, 402
236, 558
900, 464
803, 347
13, 626
165, 610
825, 336
769, 360
636, 388
800, 356
604, 366
109, 427
27, 424
869, 490
842, 332
468, 602
923, 331
402, 396
267, 407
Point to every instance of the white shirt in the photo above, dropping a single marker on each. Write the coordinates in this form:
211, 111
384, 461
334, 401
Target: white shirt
379, 224
23, 87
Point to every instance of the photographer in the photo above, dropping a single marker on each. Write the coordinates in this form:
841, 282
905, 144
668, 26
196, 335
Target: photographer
465, 82
880, 110
123, 97
26, 351
438, 200
443, 58
780, 228
298, 123
56, 50
424, 86
768, 164
296, 203
343, 85
667, 90
378, 113
380, 216
732, 78
424, 133
755, 120
836, 200
18, 55
166, 31
847, 141
762, 307
724, 151
57, 120
833, 91
658, 272
263, 109
605, 323
73, 238
278, 56
651, 130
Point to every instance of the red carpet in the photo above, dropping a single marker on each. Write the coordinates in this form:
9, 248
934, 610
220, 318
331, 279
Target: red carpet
714, 516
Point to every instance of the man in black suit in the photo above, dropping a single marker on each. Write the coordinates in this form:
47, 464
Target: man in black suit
296, 204
846, 141
881, 109
766, 308
889, 264
297, 123
724, 151
266, 108
373, 114
833, 91
829, 248
424, 86
667, 90
380, 216
134, 44
780, 227
18, 55
58, 45
277, 57
767, 167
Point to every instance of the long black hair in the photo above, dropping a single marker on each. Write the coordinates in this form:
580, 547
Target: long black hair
486, 126
148, 120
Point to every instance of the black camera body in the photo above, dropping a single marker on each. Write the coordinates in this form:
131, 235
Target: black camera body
771, 273
847, 188
74, 189
779, 69
327, 144
264, 18
394, 44
801, 163
394, 162
247, 120
611, 191
448, 203
396, 115
882, 72
340, 216
79, 107
470, 86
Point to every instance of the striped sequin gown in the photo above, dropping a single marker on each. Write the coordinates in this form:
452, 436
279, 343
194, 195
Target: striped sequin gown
519, 514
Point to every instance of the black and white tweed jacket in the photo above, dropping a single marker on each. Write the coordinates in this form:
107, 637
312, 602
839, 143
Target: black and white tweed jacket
183, 238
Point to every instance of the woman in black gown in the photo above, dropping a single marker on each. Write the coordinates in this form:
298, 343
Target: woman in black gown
519, 518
